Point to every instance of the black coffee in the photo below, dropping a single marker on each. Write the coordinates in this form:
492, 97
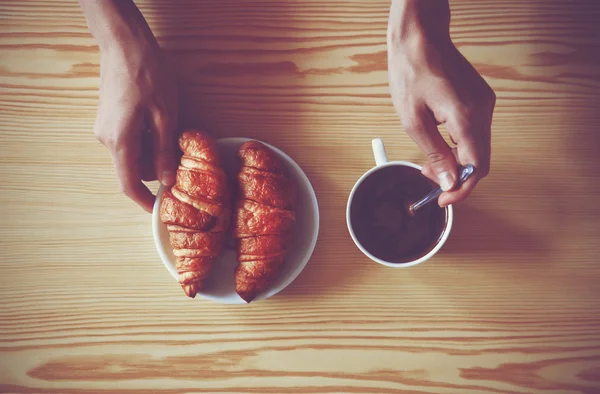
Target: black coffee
381, 221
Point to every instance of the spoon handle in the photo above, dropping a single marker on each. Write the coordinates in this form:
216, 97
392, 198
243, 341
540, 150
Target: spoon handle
464, 173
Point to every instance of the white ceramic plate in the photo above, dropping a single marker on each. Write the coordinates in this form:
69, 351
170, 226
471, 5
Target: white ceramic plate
220, 286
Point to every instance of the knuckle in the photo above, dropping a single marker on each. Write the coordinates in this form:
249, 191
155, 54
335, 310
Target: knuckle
164, 159
108, 141
99, 134
111, 142
164, 120
411, 123
160, 118
100, 138
484, 171
166, 146
115, 144
463, 125
489, 96
106, 138
492, 99
463, 112
482, 168
436, 157
127, 189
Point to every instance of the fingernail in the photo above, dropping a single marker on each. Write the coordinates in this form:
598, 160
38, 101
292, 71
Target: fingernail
445, 180
168, 178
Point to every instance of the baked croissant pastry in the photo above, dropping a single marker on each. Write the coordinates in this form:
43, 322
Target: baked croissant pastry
197, 210
264, 218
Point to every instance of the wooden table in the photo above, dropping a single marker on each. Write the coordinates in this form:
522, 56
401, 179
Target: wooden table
511, 304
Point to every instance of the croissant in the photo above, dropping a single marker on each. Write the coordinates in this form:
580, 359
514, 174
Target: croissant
264, 218
197, 210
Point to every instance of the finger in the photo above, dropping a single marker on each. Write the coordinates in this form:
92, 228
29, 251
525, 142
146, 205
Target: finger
428, 170
165, 147
422, 129
147, 170
147, 158
458, 195
126, 161
119, 129
126, 151
473, 148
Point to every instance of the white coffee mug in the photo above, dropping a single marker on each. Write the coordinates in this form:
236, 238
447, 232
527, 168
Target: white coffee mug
381, 161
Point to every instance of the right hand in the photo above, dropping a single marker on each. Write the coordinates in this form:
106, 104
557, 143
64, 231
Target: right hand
432, 83
137, 116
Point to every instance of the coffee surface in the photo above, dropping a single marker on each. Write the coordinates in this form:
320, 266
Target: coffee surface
381, 221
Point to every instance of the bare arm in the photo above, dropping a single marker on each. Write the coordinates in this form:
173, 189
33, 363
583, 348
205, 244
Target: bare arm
137, 112
432, 83
113, 21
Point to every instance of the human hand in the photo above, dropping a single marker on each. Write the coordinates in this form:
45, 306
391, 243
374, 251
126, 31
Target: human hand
432, 83
137, 117
138, 111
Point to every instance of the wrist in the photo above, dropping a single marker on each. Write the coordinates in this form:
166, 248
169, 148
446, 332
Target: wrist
117, 25
124, 43
414, 21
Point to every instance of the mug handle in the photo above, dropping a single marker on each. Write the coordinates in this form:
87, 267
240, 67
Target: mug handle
379, 152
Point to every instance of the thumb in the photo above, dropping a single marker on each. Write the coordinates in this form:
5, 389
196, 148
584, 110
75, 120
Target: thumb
165, 152
443, 165
441, 161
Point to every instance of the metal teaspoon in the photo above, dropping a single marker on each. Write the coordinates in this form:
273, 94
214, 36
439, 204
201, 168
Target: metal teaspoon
464, 173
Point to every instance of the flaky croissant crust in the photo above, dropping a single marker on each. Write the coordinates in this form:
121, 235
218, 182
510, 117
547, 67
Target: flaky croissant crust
197, 210
264, 218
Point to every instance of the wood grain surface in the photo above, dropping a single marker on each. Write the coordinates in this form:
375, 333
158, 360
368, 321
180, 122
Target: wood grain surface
510, 305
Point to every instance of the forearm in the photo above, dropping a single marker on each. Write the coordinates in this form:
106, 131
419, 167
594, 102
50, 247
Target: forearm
417, 18
116, 23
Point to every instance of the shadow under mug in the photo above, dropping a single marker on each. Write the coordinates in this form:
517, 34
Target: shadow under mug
381, 161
